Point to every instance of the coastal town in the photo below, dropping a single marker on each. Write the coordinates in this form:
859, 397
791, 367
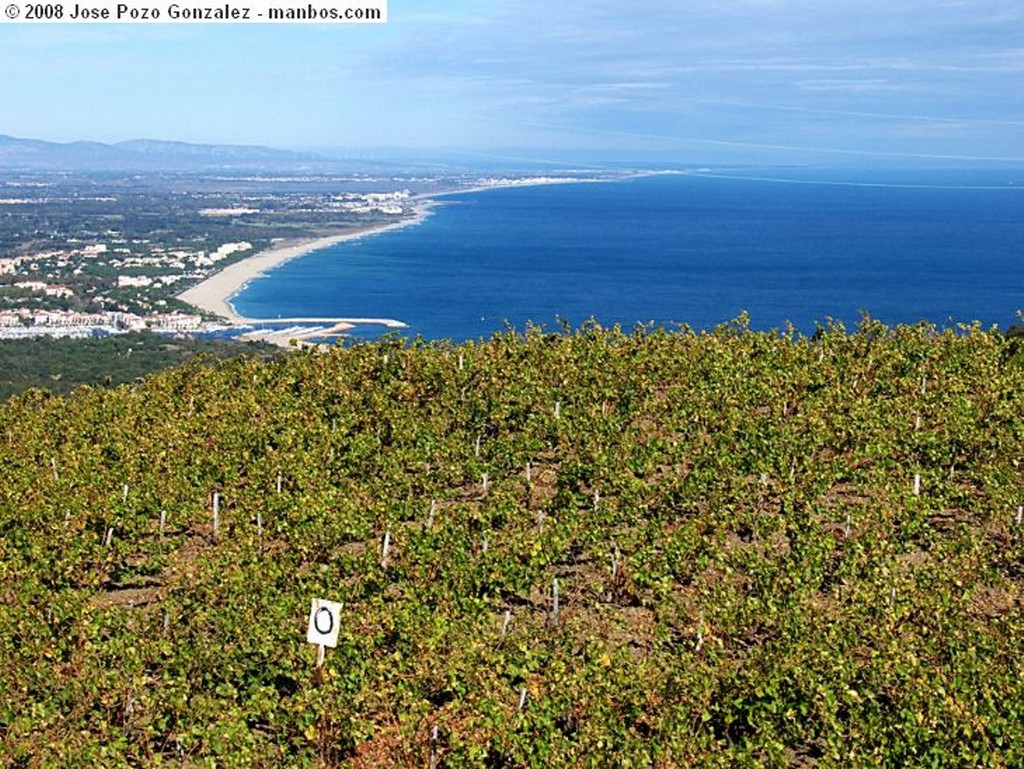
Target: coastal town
89, 254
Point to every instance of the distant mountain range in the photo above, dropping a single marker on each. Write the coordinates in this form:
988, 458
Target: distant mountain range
151, 155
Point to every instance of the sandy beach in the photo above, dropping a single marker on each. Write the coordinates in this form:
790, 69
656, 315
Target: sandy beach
545, 181
214, 294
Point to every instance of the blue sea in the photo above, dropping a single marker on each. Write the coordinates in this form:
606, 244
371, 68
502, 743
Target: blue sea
786, 247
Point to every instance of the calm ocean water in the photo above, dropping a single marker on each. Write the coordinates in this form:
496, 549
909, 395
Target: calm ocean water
680, 249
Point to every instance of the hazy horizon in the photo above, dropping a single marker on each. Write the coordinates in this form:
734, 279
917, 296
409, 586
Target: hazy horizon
757, 82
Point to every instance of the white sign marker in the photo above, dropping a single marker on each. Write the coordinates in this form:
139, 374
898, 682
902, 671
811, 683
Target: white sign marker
324, 623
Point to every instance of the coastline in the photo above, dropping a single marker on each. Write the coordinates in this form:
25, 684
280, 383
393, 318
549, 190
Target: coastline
546, 181
214, 294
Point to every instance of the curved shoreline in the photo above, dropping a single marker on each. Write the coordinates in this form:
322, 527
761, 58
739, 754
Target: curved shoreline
214, 294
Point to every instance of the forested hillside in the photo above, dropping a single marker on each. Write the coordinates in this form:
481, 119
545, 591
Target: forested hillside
595, 548
61, 365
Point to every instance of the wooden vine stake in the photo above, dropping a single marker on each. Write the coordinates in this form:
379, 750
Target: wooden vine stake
554, 601
163, 522
522, 699
615, 571
505, 622
124, 493
476, 448
917, 484
461, 362
216, 515
430, 517
385, 548
1020, 514
433, 746
109, 539
485, 481
280, 480
324, 623
558, 409
529, 473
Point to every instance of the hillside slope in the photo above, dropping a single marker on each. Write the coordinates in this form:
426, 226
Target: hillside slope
766, 550
61, 365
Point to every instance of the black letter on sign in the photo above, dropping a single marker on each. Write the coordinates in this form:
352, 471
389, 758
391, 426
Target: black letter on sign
329, 621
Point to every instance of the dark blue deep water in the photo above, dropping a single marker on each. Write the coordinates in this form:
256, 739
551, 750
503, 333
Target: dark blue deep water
949, 248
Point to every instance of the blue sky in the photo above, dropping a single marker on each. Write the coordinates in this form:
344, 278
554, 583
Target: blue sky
773, 81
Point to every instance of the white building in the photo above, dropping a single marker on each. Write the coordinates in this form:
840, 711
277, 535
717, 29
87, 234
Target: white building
124, 281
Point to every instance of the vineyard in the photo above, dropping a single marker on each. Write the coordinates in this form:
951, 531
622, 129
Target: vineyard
591, 548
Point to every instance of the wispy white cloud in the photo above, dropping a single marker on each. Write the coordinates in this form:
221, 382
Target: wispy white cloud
744, 74
858, 86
